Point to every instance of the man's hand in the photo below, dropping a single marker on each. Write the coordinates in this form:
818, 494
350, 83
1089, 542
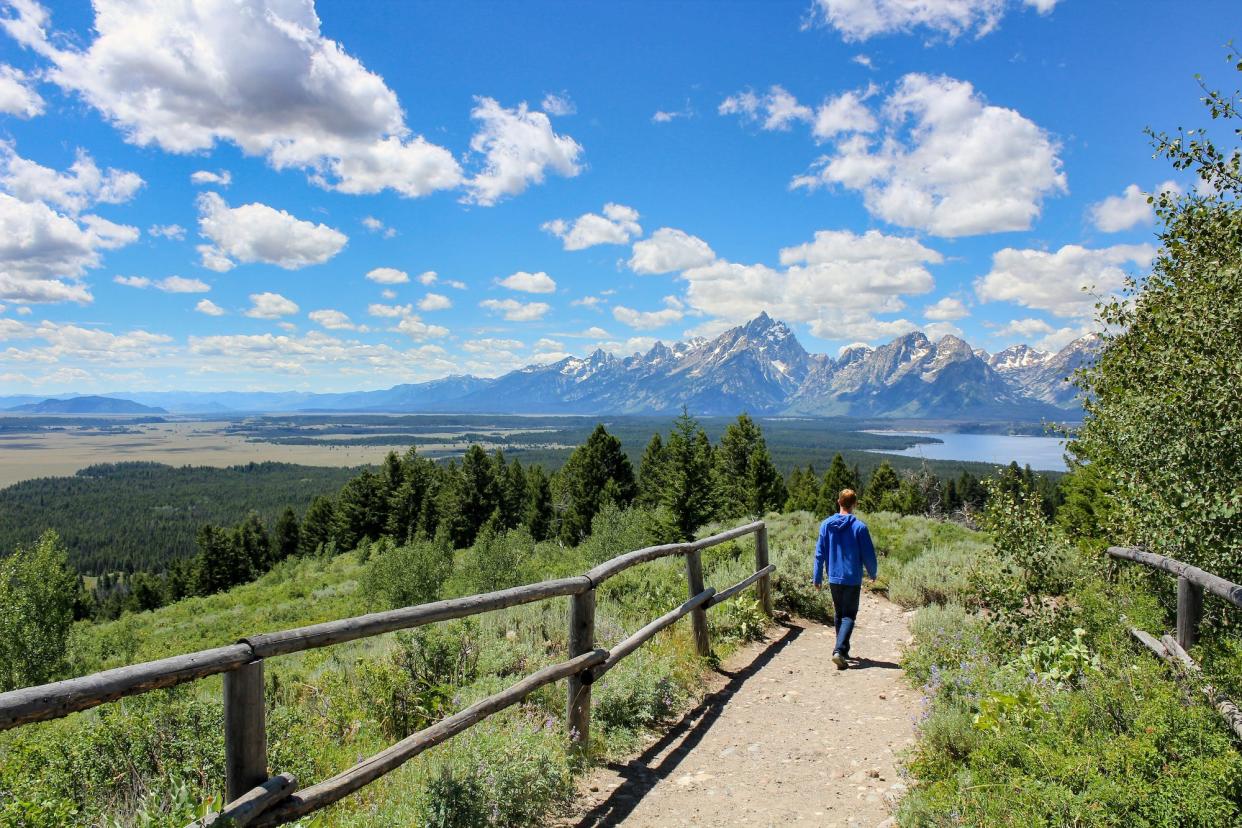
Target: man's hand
820, 587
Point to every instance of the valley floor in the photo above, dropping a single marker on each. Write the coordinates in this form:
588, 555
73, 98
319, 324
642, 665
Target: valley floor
781, 738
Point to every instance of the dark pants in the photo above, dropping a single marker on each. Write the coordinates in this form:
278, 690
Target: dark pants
844, 610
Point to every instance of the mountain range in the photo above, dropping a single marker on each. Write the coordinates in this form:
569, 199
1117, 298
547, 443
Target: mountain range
758, 367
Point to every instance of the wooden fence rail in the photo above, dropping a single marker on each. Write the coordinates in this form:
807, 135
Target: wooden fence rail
256, 798
1191, 583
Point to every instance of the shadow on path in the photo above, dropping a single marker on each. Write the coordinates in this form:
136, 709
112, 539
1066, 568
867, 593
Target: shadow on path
640, 778
866, 663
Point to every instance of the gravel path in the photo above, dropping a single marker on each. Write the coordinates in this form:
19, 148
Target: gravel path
782, 738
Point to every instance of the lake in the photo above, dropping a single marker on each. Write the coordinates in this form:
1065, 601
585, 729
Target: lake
1041, 453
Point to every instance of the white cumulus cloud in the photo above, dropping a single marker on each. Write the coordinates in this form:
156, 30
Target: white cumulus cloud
529, 282
946, 310
518, 147
258, 233
17, 95
776, 109
1066, 282
223, 178
435, 302
270, 306
649, 320
1128, 210
617, 225
44, 253
83, 186
862, 19
185, 74
515, 311
949, 162
669, 249
388, 276
175, 232
209, 307
837, 283
333, 320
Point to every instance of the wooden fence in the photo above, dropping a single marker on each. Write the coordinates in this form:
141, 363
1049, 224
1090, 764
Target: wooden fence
1191, 584
255, 798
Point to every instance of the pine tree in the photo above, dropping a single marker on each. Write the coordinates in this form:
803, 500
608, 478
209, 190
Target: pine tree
318, 525
747, 479
689, 492
287, 540
362, 510
597, 472
838, 477
221, 562
803, 491
252, 539
475, 496
514, 495
764, 483
407, 505
539, 515
651, 473
393, 473
882, 485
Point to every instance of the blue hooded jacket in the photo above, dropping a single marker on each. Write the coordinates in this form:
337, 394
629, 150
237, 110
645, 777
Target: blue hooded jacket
844, 548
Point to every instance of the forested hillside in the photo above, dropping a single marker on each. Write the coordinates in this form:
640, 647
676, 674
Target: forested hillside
139, 516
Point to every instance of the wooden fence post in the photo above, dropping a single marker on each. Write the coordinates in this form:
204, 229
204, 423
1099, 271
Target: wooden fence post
1189, 611
581, 640
698, 616
245, 730
764, 585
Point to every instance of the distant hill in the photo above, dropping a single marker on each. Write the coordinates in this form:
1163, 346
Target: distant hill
87, 405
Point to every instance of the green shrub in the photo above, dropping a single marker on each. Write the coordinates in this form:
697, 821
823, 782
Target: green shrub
940, 575
510, 771
403, 576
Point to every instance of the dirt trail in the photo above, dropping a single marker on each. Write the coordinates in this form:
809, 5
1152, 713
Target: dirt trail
782, 738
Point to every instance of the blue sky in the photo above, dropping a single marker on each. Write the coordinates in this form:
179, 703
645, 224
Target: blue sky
203, 194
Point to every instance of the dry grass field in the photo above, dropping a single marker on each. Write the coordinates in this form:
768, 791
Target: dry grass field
196, 443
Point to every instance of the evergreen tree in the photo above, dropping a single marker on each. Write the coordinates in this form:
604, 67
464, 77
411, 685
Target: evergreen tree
318, 525
514, 495
221, 562
651, 473
764, 484
407, 503
362, 510
838, 477
252, 539
392, 473
37, 593
476, 496
803, 491
146, 592
539, 515
973, 494
287, 540
880, 487
597, 472
747, 480
689, 481
179, 581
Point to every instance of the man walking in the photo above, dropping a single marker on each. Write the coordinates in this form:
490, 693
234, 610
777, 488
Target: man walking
844, 549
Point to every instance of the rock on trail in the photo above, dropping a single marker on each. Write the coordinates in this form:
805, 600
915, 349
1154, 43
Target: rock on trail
782, 738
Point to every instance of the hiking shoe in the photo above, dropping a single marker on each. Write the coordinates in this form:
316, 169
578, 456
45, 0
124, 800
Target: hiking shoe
840, 661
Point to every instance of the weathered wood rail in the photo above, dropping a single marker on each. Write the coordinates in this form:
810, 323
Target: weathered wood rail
1191, 584
257, 798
